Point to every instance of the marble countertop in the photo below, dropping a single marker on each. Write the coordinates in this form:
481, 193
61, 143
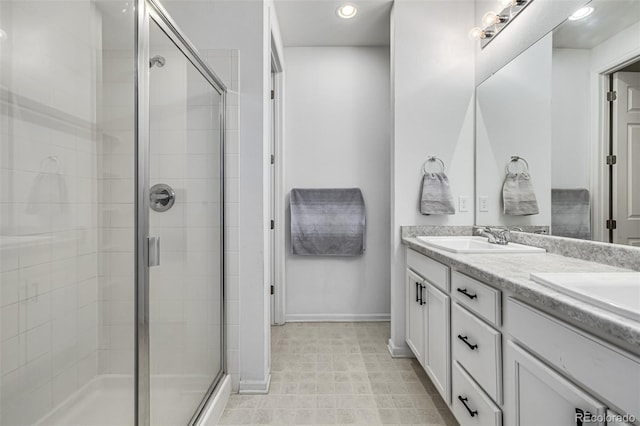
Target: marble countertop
511, 272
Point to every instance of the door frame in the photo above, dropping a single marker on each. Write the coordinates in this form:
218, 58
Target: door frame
147, 10
599, 132
278, 198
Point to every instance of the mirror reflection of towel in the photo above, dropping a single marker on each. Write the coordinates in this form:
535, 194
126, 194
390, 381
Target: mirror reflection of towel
518, 196
48, 194
436, 195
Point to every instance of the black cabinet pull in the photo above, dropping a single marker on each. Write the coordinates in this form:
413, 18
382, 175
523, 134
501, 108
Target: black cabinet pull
466, 293
466, 341
422, 302
417, 292
472, 413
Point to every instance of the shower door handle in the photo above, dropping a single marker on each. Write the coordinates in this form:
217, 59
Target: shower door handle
154, 250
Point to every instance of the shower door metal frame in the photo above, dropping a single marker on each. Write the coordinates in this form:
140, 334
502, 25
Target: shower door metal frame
147, 10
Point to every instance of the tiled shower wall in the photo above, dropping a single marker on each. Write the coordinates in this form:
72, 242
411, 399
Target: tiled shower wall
48, 219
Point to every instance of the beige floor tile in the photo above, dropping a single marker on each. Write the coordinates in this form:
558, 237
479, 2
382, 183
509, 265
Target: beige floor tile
340, 373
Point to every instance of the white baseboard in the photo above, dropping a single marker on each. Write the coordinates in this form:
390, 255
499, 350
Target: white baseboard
337, 317
215, 406
399, 351
255, 387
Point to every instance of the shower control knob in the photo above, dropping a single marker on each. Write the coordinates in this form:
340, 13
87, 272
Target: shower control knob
162, 197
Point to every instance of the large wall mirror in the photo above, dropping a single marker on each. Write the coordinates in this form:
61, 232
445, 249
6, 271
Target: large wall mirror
545, 131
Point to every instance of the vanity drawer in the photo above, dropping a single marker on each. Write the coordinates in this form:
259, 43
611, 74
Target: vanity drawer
478, 297
435, 272
477, 347
597, 366
470, 405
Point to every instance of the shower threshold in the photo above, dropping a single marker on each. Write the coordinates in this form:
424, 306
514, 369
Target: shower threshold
108, 400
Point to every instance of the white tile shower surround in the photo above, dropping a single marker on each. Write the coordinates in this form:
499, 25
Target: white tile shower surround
339, 373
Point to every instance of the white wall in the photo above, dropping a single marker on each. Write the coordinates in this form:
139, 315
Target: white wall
433, 87
337, 135
514, 118
570, 119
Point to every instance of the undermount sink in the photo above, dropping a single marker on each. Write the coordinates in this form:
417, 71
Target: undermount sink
617, 292
476, 245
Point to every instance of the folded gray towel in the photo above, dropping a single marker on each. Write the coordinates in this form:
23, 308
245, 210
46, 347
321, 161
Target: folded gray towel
327, 222
518, 196
436, 194
571, 213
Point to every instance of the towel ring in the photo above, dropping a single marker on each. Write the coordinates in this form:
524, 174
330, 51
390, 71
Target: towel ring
516, 159
51, 160
432, 160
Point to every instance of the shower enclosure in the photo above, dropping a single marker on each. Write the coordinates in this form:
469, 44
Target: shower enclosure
111, 216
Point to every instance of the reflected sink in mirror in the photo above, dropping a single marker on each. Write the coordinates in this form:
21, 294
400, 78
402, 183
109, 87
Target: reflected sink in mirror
618, 292
476, 245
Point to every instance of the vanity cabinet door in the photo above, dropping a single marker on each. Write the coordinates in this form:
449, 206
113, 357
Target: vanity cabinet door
540, 396
415, 320
438, 343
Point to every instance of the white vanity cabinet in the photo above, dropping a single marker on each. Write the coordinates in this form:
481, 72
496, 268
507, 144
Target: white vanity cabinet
428, 318
415, 322
540, 396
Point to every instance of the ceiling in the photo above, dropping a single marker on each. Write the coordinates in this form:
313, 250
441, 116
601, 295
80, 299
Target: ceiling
608, 18
315, 23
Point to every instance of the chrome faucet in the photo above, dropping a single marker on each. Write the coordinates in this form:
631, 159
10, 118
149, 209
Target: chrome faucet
495, 235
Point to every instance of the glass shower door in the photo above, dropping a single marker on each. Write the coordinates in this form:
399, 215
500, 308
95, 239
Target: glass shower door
185, 216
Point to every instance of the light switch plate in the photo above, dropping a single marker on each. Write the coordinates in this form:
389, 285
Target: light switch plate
483, 203
463, 203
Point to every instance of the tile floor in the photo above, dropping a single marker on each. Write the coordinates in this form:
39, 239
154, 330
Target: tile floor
339, 373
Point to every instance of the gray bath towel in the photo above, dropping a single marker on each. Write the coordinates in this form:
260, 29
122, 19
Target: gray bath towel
571, 213
518, 196
327, 222
436, 194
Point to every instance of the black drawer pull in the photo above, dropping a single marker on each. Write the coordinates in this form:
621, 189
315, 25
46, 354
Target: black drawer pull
472, 413
417, 292
466, 341
469, 295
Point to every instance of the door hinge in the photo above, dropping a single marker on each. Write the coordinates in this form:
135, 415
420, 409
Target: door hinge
273, 159
611, 224
611, 160
273, 289
272, 224
612, 96
273, 94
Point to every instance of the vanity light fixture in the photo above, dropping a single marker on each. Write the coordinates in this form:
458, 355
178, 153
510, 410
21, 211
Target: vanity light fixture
581, 13
494, 22
347, 11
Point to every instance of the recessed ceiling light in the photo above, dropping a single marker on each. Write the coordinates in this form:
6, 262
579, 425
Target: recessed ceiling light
581, 13
347, 11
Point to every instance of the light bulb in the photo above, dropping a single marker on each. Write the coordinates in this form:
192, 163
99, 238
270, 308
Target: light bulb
476, 33
347, 11
492, 18
489, 18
